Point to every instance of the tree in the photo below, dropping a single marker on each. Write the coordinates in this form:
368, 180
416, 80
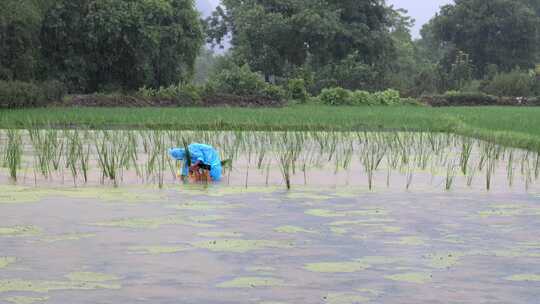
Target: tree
19, 27
272, 36
500, 32
100, 44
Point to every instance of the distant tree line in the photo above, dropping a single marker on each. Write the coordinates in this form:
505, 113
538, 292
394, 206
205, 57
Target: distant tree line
365, 44
93, 45
124, 45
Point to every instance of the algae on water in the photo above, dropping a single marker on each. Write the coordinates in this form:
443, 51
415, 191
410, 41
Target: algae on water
251, 282
333, 213
25, 300
67, 237
292, 229
206, 206
20, 231
345, 298
410, 277
154, 250
218, 234
19, 285
5, 261
526, 277
337, 267
410, 240
151, 223
239, 246
90, 277
444, 260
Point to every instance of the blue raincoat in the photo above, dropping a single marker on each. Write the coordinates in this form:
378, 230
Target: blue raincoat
206, 154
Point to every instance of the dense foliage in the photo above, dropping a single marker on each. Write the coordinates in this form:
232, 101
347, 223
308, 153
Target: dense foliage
95, 45
346, 52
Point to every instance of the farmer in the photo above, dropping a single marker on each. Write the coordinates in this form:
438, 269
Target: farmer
203, 157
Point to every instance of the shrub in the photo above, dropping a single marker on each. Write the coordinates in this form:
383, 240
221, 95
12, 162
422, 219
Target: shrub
514, 84
455, 98
237, 81
16, 94
241, 81
335, 96
296, 89
361, 98
272, 92
183, 94
388, 98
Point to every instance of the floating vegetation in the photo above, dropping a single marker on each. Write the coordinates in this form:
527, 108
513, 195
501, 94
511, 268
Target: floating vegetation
345, 298
238, 245
20, 231
206, 206
26, 300
337, 267
524, 278
508, 211
252, 282
151, 223
76, 281
444, 260
158, 249
332, 213
5, 261
410, 240
19, 194
411, 277
67, 237
90, 277
220, 234
292, 229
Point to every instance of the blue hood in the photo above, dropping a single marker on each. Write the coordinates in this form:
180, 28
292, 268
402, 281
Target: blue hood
177, 153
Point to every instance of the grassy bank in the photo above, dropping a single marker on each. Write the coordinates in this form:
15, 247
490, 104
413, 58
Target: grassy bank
515, 126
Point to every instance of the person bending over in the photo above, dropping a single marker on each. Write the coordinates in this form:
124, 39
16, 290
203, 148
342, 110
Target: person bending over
203, 158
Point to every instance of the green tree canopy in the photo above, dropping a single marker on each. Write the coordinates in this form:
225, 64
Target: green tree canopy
20, 21
100, 44
499, 32
272, 35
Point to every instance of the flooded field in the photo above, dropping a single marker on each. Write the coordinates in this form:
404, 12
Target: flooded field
368, 218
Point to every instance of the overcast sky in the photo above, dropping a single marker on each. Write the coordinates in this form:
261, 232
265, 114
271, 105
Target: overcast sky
420, 10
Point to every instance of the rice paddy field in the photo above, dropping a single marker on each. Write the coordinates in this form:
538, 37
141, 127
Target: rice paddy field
98, 215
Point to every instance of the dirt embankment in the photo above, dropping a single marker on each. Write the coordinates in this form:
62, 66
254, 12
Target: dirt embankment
451, 101
118, 100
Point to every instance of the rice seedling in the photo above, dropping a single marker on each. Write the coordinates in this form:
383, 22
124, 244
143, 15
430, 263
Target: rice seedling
111, 148
537, 166
450, 175
55, 146
409, 178
373, 155
42, 151
84, 160
13, 153
510, 168
466, 149
73, 153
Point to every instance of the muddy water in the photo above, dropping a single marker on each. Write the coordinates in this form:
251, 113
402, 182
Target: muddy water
379, 160
225, 244
330, 239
